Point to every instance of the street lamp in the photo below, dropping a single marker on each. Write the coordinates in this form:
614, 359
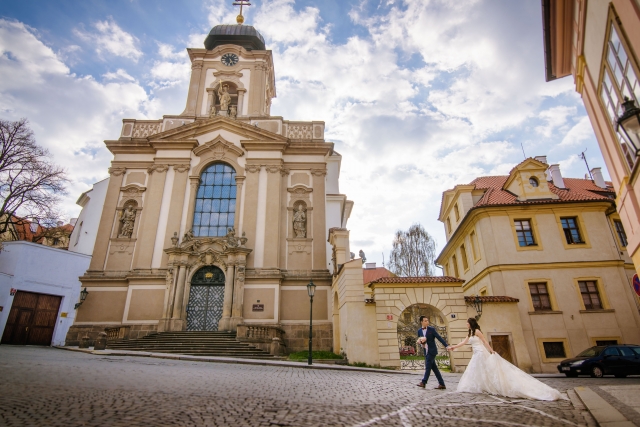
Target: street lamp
477, 304
629, 121
311, 289
83, 296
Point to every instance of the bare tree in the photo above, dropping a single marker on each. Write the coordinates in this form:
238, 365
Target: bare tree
30, 183
413, 252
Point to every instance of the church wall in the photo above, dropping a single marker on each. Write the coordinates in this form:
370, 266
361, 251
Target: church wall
251, 212
295, 304
261, 208
266, 296
144, 304
174, 216
103, 305
319, 219
163, 217
272, 218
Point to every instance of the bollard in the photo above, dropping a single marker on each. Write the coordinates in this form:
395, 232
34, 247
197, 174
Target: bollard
101, 342
84, 342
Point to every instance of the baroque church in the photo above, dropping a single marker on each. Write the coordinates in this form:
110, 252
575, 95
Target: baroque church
216, 219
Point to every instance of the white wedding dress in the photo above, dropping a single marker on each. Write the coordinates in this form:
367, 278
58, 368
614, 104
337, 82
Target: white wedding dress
490, 373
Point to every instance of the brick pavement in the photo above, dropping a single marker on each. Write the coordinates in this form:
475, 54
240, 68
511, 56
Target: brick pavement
49, 387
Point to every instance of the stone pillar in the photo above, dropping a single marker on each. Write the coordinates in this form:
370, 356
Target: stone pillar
319, 220
250, 208
175, 207
150, 216
194, 182
237, 222
241, 92
272, 216
108, 217
238, 297
210, 99
177, 323
225, 322
194, 85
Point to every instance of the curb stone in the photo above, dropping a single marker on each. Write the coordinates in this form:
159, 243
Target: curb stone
604, 414
214, 359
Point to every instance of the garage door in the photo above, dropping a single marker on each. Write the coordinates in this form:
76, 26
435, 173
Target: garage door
32, 319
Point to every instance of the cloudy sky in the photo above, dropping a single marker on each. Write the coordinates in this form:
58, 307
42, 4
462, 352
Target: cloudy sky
417, 95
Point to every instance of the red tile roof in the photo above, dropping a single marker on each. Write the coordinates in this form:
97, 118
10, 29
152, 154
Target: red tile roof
577, 190
371, 274
425, 279
495, 298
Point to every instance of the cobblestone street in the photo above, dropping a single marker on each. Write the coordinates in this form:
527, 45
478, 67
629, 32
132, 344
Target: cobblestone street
50, 387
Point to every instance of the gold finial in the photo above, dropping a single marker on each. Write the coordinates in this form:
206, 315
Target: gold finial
240, 18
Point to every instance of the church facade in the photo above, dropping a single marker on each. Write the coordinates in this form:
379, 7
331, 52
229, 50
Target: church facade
217, 218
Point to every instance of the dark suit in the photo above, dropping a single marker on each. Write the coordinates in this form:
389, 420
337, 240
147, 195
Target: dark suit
430, 353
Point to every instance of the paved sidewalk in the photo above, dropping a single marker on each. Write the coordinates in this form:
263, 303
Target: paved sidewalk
612, 405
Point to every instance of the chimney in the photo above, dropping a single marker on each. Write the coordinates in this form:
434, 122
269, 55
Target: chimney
73, 221
556, 176
369, 265
598, 179
541, 159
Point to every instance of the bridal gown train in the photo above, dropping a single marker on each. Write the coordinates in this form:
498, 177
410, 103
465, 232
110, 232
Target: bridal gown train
490, 373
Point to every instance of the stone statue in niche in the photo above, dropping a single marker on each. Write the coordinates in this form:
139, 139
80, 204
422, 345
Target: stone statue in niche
212, 111
300, 222
225, 98
233, 111
127, 220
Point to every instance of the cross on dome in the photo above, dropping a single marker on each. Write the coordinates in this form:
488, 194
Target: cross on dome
240, 18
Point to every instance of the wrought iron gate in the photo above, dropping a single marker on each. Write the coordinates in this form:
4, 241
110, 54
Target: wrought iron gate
206, 299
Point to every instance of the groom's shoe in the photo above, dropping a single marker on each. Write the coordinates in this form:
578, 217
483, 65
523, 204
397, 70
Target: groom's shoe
420, 384
441, 387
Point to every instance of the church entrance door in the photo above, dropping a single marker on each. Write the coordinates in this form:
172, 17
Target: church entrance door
206, 299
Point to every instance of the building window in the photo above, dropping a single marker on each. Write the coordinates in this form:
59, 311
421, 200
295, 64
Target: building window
554, 350
540, 296
463, 254
622, 236
607, 342
215, 201
454, 261
590, 295
524, 232
78, 234
474, 244
619, 80
533, 181
571, 230
448, 225
457, 212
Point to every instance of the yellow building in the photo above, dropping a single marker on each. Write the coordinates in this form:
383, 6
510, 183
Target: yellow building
555, 244
598, 43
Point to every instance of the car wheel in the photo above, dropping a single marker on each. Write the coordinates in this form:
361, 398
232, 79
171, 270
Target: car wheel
570, 375
597, 372
621, 375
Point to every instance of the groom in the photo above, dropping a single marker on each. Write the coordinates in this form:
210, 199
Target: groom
430, 352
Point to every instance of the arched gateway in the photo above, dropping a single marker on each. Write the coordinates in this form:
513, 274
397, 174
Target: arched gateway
206, 299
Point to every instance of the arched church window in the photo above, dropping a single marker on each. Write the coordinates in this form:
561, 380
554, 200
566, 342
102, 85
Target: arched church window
215, 208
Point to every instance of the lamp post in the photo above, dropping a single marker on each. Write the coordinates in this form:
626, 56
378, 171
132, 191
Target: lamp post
477, 304
311, 289
629, 122
83, 296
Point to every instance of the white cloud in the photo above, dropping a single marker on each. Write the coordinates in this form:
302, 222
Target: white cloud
580, 132
112, 39
556, 119
119, 75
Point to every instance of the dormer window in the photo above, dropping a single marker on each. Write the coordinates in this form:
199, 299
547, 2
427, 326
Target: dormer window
457, 212
534, 181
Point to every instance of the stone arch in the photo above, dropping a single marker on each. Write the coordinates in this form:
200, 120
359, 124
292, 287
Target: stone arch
217, 150
235, 88
203, 308
408, 324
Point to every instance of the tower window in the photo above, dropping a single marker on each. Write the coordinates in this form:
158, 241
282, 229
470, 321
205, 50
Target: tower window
621, 234
533, 181
215, 206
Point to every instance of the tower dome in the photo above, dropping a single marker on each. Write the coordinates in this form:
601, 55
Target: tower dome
240, 35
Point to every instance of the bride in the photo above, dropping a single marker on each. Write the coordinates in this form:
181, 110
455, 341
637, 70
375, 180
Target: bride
489, 373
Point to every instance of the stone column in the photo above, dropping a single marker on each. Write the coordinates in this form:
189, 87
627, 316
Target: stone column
209, 100
108, 217
238, 297
177, 323
194, 182
175, 207
241, 92
165, 322
194, 85
238, 219
224, 324
150, 217
319, 220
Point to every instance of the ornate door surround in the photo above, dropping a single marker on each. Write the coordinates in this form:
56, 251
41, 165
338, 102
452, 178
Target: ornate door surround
206, 298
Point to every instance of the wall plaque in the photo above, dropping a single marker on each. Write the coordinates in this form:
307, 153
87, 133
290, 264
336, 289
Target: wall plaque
258, 307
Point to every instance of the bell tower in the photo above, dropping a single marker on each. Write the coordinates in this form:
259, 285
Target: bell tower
233, 75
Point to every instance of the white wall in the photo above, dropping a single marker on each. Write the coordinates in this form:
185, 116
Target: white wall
31, 267
83, 237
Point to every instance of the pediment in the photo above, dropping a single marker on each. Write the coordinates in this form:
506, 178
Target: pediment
191, 131
520, 181
218, 147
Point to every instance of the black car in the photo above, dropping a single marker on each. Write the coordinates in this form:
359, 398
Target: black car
618, 360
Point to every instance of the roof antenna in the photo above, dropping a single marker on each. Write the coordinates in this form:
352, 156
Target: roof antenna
584, 157
383, 259
525, 156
